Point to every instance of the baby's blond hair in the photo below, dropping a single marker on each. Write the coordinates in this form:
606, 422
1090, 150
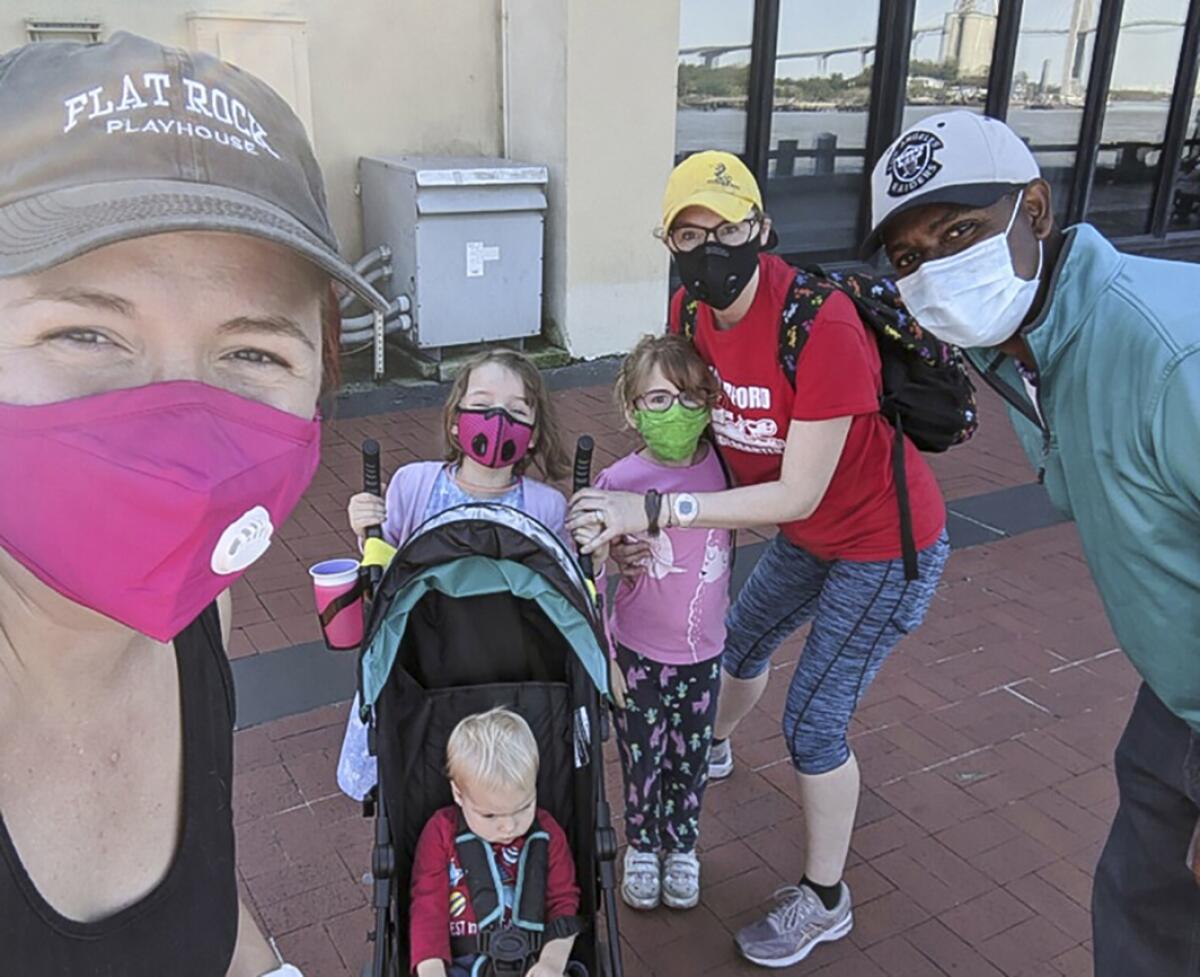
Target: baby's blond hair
496, 748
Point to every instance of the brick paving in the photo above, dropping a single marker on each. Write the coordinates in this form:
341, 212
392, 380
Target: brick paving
985, 747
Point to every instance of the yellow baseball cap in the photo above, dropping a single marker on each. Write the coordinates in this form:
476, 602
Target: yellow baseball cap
716, 181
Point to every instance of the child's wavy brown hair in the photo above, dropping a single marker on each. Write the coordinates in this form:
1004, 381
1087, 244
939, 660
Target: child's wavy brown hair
679, 362
546, 451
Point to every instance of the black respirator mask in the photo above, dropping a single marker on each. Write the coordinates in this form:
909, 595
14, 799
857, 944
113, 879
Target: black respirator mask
716, 274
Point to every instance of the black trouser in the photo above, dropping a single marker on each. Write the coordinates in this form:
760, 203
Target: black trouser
1146, 901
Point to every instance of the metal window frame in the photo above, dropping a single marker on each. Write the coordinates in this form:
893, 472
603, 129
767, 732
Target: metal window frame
760, 93
885, 113
1091, 125
1004, 58
1178, 117
888, 99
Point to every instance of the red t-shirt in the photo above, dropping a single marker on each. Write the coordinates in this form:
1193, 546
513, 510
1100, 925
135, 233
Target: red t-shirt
838, 374
441, 901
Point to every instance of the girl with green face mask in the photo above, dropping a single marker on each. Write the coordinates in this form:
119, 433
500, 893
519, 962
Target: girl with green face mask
668, 626
669, 420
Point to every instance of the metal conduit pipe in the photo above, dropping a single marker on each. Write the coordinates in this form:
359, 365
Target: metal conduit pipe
402, 323
399, 304
383, 271
372, 258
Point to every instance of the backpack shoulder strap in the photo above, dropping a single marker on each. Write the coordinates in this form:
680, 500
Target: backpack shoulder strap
805, 297
688, 311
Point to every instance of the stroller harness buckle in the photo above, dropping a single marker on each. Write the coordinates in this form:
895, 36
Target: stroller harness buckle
504, 946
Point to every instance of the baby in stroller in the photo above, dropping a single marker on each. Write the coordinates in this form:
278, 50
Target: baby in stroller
493, 878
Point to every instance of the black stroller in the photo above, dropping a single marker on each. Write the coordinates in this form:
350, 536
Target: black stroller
484, 606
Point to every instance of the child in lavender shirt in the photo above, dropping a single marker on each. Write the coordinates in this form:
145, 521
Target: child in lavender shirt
668, 625
500, 396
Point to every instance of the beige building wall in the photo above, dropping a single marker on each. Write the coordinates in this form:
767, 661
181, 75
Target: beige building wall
589, 87
591, 93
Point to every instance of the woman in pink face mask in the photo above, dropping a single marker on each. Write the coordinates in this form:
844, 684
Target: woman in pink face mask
166, 320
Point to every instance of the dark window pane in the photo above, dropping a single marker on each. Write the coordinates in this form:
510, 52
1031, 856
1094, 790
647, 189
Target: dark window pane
949, 56
1185, 203
1050, 77
819, 125
1135, 119
714, 73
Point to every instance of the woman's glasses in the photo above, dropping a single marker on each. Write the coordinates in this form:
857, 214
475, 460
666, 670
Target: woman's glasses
657, 401
688, 237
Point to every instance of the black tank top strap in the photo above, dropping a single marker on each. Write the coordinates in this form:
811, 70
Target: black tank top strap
187, 925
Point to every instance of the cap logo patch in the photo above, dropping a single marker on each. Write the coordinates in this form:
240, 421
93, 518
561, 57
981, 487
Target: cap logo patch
196, 110
721, 176
913, 163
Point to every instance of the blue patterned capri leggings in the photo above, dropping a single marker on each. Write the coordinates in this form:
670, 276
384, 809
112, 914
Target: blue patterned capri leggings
859, 613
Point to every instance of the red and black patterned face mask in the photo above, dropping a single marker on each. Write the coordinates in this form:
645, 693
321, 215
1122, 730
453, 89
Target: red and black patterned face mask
492, 436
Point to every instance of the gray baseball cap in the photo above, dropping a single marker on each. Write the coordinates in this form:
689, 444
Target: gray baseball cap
108, 142
956, 157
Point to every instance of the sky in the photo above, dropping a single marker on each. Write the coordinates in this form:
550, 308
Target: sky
1145, 58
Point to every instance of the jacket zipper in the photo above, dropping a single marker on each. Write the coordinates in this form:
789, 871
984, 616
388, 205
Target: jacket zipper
1014, 398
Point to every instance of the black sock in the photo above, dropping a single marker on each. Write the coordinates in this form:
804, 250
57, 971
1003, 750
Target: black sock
717, 742
830, 895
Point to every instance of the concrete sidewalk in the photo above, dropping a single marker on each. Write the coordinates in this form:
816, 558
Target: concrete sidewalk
985, 746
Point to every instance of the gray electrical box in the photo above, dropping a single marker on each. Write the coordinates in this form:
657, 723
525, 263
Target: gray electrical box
466, 237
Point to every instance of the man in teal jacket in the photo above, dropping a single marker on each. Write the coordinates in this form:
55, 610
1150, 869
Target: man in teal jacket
1098, 356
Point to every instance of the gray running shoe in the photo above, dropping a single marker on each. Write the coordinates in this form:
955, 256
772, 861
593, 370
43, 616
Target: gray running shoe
794, 927
720, 760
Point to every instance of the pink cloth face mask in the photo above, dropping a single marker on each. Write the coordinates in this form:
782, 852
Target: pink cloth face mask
144, 504
493, 437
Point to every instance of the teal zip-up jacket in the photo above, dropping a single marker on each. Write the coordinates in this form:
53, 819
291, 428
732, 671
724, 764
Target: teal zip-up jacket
1117, 349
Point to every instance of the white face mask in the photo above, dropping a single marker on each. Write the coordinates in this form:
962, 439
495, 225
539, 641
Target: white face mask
973, 298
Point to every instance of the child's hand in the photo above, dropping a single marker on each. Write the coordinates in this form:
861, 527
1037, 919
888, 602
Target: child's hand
631, 556
585, 535
365, 510
616, 683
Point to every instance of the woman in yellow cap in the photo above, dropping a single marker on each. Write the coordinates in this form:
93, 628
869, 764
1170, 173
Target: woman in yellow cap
810, 452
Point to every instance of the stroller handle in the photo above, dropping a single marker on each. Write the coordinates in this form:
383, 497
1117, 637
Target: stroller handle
581, 478
372, 484
371, 479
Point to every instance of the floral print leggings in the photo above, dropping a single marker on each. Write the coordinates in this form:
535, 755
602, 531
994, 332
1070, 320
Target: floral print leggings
664, 733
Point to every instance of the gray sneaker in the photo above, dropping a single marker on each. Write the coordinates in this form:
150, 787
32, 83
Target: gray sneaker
720, 760
798, 923
681, 880
641, 884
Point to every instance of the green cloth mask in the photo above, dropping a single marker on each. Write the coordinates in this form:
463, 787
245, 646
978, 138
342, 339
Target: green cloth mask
672, 434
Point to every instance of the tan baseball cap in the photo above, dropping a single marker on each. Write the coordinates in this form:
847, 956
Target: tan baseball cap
129, 138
